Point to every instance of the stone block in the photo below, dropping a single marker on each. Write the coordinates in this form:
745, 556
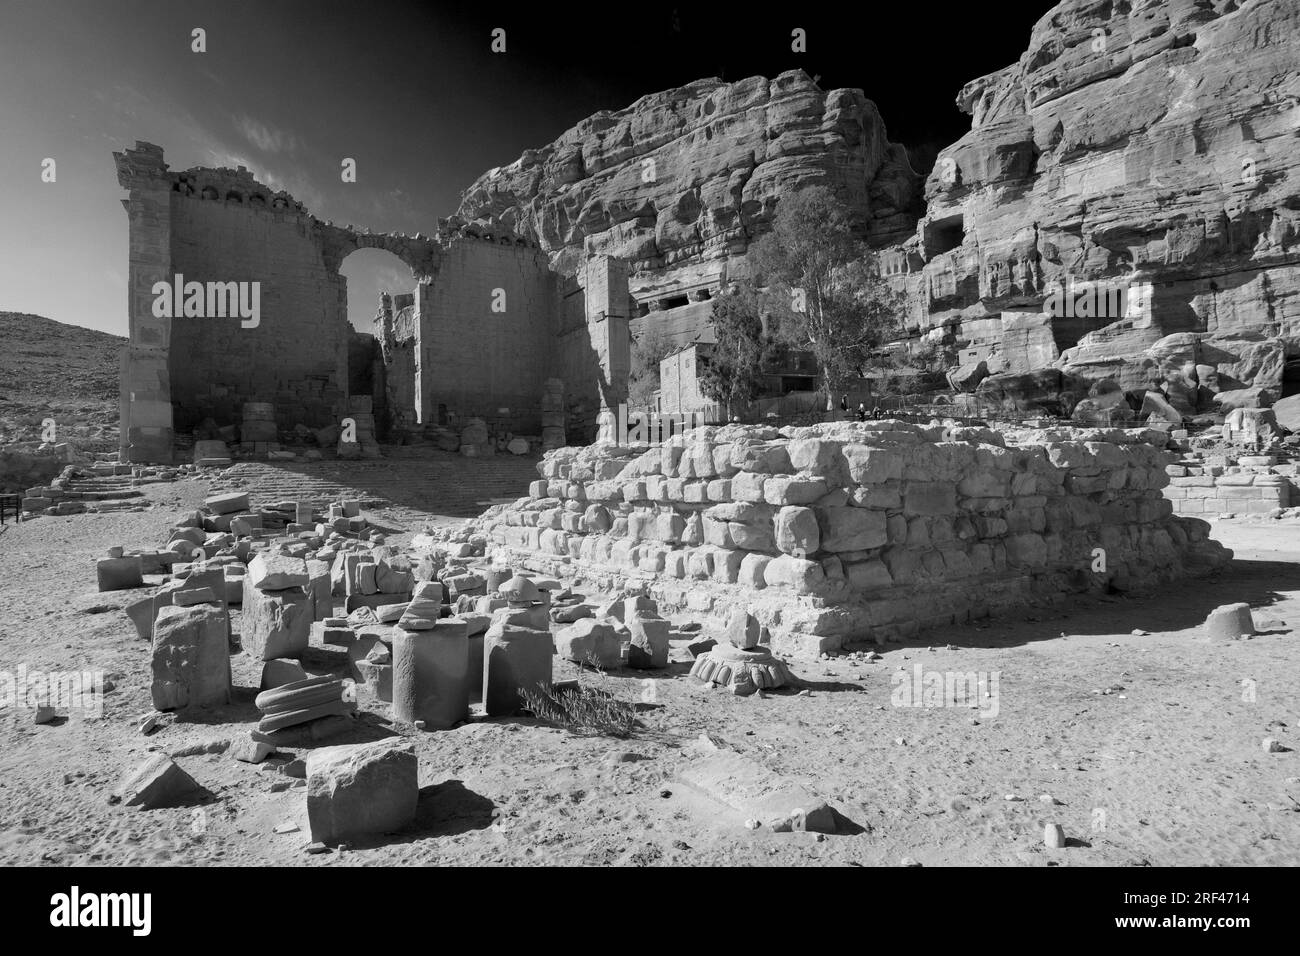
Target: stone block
590, 639
430, 674
726, 565
1229, 622
803, 576
119, 574
270, 571
364, 790
929, 498
868, 466
743, 630
797, 531
754, 792
747, 486
276, 623
236, 501
514, 659
751, 574
1026, 550
191, 658
851, 529
650, 642
277, 673
793, 490
377, 679
868, 575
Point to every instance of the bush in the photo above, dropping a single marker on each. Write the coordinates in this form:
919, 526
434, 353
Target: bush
588, 711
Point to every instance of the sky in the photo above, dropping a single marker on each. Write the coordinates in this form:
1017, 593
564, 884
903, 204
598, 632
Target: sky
411, 90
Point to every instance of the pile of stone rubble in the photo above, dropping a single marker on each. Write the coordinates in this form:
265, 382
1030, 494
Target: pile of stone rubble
428, 637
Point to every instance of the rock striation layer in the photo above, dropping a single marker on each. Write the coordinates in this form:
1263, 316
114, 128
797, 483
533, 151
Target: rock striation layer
1150, 150
680, 182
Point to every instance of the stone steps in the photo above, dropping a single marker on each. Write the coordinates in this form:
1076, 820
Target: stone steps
104, 494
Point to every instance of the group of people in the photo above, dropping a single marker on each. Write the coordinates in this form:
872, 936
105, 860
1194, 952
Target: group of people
876, 412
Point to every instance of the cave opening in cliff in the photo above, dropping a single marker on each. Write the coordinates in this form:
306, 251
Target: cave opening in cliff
944, 235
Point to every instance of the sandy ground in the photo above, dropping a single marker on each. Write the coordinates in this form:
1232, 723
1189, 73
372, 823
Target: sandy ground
1166, 768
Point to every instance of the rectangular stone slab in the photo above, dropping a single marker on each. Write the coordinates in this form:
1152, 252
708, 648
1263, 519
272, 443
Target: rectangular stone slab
740, 783
228, 503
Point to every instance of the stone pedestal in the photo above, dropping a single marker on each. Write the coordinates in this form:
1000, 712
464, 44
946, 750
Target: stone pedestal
514, 658
191, 658
430, 674
742, 672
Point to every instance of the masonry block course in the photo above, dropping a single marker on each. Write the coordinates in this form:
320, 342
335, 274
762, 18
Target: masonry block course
909, 529
1250, 489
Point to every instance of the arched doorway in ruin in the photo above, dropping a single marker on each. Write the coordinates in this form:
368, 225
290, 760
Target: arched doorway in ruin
383, 362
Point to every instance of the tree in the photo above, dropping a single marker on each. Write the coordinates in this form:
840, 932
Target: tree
652, 347
733, 374
825, 292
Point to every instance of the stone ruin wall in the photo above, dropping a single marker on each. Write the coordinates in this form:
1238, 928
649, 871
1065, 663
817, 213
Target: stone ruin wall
464, 359
1255, 485
222, 225
297, 356
851, 532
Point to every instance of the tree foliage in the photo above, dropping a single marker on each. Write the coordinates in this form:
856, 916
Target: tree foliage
824, 291
648, 350
733, 373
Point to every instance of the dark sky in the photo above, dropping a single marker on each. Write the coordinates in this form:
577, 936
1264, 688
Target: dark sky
409, 90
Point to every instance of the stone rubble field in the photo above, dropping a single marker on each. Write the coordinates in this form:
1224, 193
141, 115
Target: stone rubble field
1146, 734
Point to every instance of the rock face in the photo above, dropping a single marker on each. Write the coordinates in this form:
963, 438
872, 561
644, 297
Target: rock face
680, 182
1126, 204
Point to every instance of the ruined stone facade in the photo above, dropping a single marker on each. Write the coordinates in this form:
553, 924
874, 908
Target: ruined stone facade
462, 355
848, 532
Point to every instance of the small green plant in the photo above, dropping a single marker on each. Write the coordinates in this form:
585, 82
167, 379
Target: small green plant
587, 710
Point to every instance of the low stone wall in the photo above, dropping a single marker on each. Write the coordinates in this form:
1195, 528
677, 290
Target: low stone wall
1255, 484
848, 532
30, 464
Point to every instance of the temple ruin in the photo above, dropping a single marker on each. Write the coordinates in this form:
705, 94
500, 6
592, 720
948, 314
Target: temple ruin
486, 324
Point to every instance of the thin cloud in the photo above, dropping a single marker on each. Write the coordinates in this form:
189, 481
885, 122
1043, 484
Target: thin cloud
296, 185
266, 138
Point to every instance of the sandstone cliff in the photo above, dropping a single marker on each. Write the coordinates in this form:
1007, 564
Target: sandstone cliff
1154, 146
680, 182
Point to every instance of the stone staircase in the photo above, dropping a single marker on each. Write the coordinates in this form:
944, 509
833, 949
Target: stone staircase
447, 485
102, 488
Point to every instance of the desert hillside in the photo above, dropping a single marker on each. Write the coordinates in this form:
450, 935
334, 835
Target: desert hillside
64, 372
